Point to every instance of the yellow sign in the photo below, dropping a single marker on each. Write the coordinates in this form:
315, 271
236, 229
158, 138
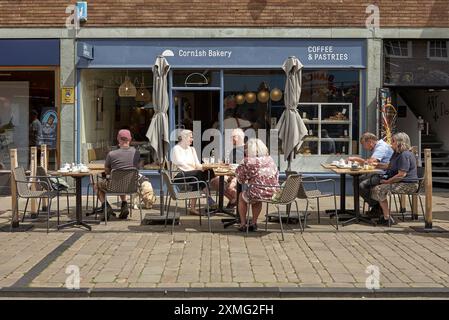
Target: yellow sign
68, 95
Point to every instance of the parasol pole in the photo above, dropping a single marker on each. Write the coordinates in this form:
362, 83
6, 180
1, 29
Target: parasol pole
161, 182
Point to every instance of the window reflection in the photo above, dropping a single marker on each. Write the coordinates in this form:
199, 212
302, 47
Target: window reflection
108, 105
28, 115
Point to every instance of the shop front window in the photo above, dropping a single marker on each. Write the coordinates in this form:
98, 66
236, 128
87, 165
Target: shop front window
251, 96
28, 115
329, 105
113, 100
330, 99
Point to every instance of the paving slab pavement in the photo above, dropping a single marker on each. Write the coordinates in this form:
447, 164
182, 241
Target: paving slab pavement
128, 256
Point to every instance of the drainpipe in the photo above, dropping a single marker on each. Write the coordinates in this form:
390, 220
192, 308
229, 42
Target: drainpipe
420, 129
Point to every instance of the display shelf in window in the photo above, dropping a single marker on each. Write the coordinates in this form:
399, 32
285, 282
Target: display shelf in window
308, 138
329, 128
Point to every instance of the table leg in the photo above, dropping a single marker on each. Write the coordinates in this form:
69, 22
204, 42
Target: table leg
356, 195
78, 199
358, 218
221, 208
236, 219
342, 200
220, 192
78, 208
343, 193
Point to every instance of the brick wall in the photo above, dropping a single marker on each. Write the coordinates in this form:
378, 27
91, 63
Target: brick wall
227, 13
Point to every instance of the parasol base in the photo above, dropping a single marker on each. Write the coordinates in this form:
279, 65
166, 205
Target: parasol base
272, 217
16, 228
429, 230
151, 219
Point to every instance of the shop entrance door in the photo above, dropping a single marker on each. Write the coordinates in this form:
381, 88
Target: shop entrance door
198, 111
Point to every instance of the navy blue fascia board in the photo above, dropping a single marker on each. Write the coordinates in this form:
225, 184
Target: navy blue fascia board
225, 53
29, 52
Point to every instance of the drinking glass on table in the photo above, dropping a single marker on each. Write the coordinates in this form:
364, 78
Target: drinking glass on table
206, 160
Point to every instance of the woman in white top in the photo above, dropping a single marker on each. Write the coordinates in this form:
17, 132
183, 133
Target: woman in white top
184, 156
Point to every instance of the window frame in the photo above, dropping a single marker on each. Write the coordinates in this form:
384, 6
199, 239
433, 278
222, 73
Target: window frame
409, 50
440, 48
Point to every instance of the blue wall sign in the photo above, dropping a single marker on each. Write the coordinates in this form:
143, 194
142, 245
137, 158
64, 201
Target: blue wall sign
36, 52
85, 50
226, 53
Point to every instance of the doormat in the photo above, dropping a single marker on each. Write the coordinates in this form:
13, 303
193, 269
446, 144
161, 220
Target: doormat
21, 228
433, 230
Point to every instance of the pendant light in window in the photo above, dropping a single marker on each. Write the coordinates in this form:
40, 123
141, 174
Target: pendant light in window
240, 98
276, 94
142, 93
250, 97
263, 96
127, 88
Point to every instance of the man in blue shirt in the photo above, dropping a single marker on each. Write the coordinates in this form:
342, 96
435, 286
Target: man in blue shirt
381, 153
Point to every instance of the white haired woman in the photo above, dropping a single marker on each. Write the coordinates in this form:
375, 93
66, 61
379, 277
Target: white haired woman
257, 168
401, 175
184, 156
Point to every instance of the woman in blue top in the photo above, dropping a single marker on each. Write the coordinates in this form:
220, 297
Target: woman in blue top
401, 175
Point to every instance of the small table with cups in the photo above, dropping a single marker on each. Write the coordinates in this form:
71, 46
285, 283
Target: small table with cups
220, 170
355, 171
78, 173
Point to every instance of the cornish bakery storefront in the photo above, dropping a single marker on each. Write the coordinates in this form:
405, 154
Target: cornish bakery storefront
222, 84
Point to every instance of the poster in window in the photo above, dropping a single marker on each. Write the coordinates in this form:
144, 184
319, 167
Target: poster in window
49, 121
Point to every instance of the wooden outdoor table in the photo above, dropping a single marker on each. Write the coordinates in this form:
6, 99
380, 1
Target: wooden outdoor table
96, 166
212, 166
356, 181
78, 176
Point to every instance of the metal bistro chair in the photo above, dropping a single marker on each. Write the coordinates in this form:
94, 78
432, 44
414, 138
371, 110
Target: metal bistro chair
173, 172
418, 192
123, 182
23, 191
286, 196
179, 176
55, 185
178, 192
316, 193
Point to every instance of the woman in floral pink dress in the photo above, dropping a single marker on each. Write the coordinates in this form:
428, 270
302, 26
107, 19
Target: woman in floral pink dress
257, 168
